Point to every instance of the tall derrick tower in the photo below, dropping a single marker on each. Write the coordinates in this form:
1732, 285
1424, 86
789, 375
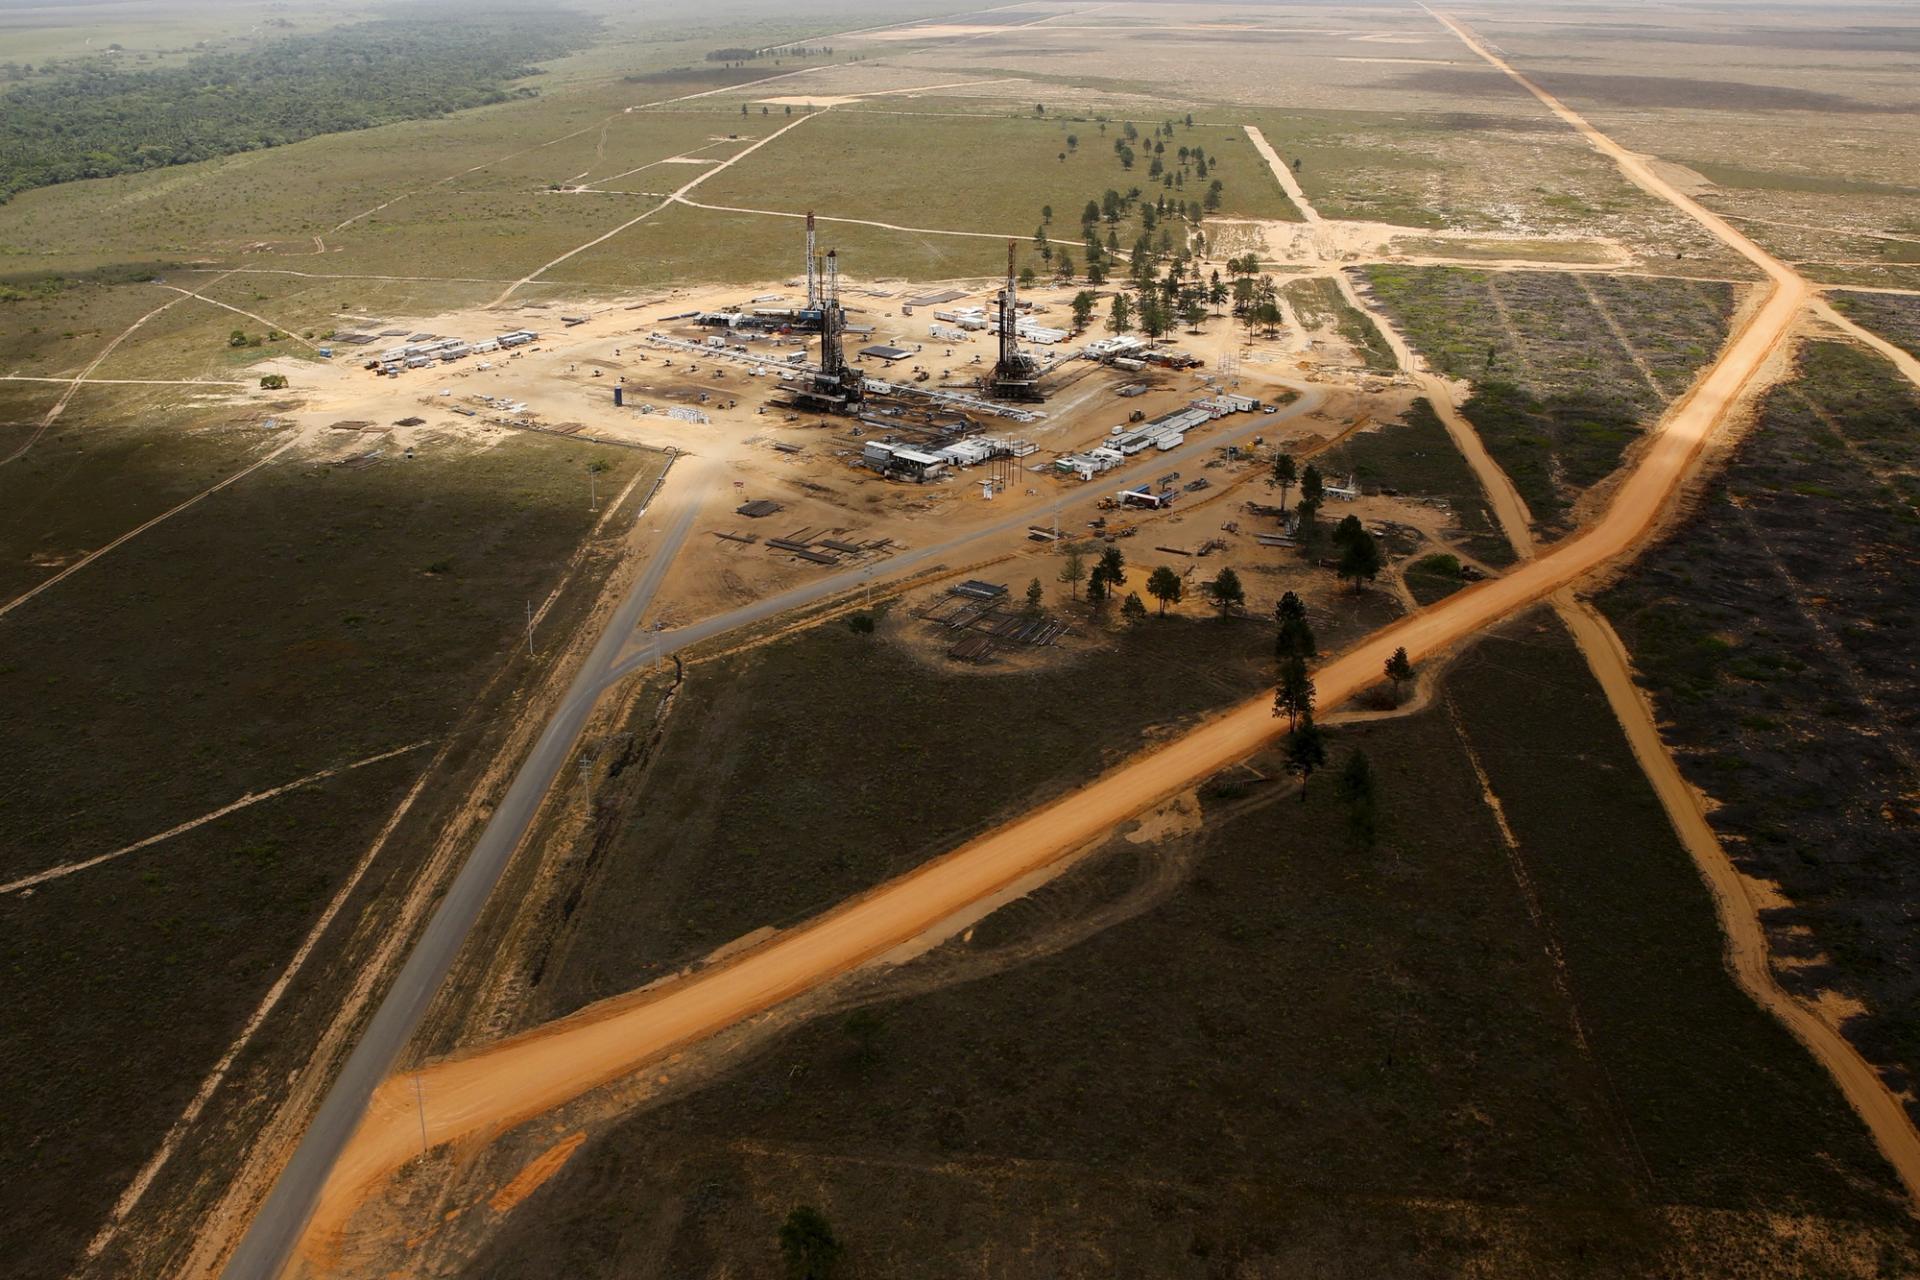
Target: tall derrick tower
1016, 375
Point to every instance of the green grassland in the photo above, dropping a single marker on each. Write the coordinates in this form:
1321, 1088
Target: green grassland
969, 173
1771, 630
481, 223
1302, 1057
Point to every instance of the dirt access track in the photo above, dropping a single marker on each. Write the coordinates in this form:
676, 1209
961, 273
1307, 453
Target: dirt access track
495, 1087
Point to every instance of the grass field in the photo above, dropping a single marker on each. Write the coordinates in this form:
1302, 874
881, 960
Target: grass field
1414, 456
968, 173
805, 799
306, 618
1319, 302
1893, 316
1567, 370
1256, 1049
1770, 630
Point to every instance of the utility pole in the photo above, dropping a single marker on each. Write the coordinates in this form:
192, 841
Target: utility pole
529, 628
593, 498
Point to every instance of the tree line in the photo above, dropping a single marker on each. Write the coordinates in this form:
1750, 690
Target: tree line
96, 119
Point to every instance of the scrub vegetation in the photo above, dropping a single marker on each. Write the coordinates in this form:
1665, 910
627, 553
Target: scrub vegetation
92, 118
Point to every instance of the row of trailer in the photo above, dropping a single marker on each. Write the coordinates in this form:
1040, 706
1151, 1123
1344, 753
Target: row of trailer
1169, 431
911, 462
965, 320
431, 351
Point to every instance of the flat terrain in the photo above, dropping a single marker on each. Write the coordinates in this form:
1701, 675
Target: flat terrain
1567, 370
264, 649
310, 617
770, 796
1769, 631
1119, 1060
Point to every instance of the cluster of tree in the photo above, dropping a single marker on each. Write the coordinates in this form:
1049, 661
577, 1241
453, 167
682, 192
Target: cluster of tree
1108, 575
98, 120
1305, 747
1256, 299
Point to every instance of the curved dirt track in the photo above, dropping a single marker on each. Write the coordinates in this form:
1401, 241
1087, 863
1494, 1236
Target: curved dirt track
517, 1079
498, 1086
1747, 952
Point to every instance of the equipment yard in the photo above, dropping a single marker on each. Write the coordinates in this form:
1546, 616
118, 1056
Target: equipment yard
1073, 639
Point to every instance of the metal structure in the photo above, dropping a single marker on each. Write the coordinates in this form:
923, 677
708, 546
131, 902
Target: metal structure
1016, 375
836, 387
813, 268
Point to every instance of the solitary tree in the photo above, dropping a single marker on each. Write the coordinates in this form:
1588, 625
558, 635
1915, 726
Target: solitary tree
1399, 670
1295, 637
1226, 592
1083, 304
1120, 319
1306, 520
1113, 563
1133, 608
807, 1244
1098, 589
1312, 487
1164, 585
1293, 698
1355, 788
1285, 474
1074, 571
1348, 531
865, 1027
1306, 751
1035, 594
1361, 560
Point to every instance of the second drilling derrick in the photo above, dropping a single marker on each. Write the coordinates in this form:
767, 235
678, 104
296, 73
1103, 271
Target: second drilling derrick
837, 387
1016, 375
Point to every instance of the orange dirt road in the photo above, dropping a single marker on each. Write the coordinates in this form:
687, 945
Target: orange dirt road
514, 1080
500, 1085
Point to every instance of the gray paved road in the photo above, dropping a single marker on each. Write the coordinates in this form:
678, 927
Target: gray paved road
642, 651
276, 1228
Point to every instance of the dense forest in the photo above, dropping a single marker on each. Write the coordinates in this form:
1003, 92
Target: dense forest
93, 119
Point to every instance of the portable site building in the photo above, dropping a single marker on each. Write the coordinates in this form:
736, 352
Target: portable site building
967, 453
916, 464
1181, 420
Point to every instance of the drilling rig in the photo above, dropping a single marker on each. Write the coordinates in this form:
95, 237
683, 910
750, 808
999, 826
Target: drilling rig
837, 387
1016, 375
809, 316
